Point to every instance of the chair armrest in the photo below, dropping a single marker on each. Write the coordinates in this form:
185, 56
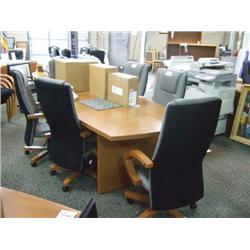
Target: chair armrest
47, 135
35, 116
86, 133
141, 157
130, 166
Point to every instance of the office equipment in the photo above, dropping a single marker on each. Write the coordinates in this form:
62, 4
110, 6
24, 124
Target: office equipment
241, 126
141, 70
169, 85
54, 51
74, 71
8, 95
123, 89
98, 79
119, 130
84, 50
173, 175
31, 109
70, 145
90, 210
181, 63
214, 78
100, 104
22, 205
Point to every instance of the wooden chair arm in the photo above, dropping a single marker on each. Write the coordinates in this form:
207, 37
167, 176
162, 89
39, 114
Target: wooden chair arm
2, 84
35, 116
141, 157
7, 82
10, 78
130, 166
86, 133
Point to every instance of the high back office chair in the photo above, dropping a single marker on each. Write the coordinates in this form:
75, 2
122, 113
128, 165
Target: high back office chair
70, 145
54, 51
141, 71
66, 53
24, 68
170, 85
85, 50
31, 109
100, 54
173, 176
16, 54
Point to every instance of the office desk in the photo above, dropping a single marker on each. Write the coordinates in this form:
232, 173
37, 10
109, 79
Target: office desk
21, 205
119, 130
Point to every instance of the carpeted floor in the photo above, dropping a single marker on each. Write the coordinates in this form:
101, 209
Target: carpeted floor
226, 177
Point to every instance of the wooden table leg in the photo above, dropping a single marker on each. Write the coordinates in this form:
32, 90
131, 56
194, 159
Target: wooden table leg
111, 173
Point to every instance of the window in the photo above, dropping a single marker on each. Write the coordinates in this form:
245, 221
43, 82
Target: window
39, 42
83, 39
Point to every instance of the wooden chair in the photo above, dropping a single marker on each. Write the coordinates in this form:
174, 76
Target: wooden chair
173, 178
7, 83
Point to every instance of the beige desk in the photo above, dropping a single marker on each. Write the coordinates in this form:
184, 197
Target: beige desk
119, 130
21, 205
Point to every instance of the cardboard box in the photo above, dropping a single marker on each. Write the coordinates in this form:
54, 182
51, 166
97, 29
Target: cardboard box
123, 89
74, 71
98, 79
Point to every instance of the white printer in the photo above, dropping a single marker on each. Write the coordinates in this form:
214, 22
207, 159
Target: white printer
211, 77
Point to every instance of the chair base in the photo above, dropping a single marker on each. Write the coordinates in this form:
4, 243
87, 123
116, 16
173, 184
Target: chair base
68, 180
40, 155
149, 213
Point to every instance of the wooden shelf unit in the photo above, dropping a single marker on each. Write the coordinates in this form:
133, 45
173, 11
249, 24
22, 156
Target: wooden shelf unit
194, 47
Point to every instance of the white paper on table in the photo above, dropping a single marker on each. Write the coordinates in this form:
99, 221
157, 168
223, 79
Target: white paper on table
66, 214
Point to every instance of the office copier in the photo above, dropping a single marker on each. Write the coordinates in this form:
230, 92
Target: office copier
211, 77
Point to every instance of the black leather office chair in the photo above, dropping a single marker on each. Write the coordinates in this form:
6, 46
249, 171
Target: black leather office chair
32, 111
18, 54
173, 176
85, 50
141, 70
54, 51
170, 85
71, 146
66, 53
100, 54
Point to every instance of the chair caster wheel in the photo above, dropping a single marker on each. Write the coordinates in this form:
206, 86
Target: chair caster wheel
33, 164
52, 172
193, 206
65, 188
130, 201
26, 152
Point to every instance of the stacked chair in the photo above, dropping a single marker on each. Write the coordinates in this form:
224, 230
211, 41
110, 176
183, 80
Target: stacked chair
8, 95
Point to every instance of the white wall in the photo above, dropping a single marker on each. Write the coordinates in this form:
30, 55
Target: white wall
216, 38
19, 35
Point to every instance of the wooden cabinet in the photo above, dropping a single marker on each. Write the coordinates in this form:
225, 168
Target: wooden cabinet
194, 48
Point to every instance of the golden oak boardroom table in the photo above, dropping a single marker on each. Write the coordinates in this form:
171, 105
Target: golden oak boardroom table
17, 204
119, 130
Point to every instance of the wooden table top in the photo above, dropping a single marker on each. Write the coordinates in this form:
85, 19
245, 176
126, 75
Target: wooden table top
21, 205
143, 120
